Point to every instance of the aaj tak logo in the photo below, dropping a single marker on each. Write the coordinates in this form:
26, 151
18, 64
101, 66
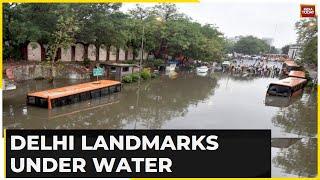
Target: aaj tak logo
307, 10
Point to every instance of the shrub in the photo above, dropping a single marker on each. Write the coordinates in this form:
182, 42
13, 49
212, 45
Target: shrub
153, 75
155, 63
311, 84
145, 74
86, 62
127, 79
135, 77
158, 62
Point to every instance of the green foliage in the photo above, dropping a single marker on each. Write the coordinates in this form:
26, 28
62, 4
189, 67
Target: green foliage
310, 52
145, 74
285, 49
311, 84
135, 77
155, 63
86, 62
166, 30
154, 75
274, 50
251, 45
307, 30
64, 35
127, 79
158, 62
228, 46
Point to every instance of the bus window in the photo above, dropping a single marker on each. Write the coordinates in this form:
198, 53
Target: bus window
278, 90
31, 100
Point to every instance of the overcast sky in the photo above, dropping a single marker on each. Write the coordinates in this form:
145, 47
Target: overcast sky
262, 18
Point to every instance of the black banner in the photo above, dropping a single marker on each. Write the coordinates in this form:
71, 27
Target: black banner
138, 153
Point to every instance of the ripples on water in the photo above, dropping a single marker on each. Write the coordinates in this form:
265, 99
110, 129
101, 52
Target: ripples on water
185, 101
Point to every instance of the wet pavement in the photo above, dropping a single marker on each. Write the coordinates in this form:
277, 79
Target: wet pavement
186, 101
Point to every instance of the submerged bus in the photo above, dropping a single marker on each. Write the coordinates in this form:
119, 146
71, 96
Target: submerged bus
72, 94
297, 74
290, 65
287, 87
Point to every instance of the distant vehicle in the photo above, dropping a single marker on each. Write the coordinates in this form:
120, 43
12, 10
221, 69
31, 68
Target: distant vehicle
297, 74
287, 87
171, 67
202, 74
217, 68
290, 65
202, 69
226, 63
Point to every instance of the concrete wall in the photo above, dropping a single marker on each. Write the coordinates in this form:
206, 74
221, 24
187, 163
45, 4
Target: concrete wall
130, 54
79, 52
66, 54
103, 53
113, 53
122, 54
92, 52
34, 51
43, 71
145, 55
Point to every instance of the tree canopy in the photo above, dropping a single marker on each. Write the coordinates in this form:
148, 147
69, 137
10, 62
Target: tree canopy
251, 45
307, 30
168, 32
285, 49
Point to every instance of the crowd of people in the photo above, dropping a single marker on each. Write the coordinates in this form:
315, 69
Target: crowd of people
255, 67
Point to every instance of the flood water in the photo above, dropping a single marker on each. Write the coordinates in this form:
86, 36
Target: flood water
186, 101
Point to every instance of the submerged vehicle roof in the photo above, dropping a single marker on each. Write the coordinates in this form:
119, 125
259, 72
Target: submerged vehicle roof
290, 81
291, 63
74, 89
300, 74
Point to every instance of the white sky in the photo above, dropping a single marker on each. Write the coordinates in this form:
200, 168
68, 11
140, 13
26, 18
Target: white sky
262, 18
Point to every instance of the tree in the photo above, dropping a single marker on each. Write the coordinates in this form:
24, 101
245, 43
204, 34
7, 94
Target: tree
63, 37
274, 50
307, 31
228, 45
251, 45
166, 30
310, 51
285, 49
28, 22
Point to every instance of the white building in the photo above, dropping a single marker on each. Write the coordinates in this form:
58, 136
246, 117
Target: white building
294, 51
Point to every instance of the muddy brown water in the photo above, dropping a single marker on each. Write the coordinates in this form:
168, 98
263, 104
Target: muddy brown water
186, 101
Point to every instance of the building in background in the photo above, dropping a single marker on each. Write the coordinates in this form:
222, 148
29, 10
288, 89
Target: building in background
294, 51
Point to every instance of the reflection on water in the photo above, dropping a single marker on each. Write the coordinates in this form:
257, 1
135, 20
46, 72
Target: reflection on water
300, 117
183, 101
296, 157
278, 101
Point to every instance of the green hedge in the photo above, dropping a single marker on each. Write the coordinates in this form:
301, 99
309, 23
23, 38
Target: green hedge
145, 74
127, 79
134, 77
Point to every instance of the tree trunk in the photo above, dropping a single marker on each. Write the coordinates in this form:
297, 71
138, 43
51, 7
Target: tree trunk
97, 51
